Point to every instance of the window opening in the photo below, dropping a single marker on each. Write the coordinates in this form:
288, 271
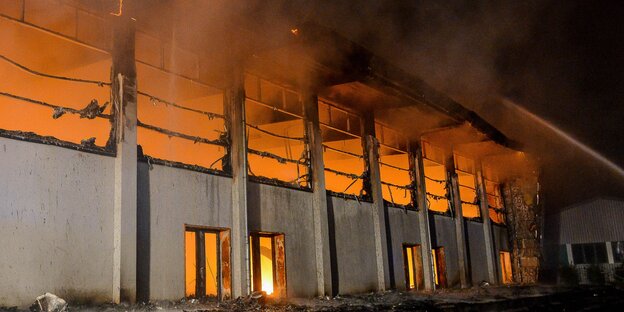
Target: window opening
412, 259
181, 120
394, 167
206, 254
439, 267
436, 182
343, 153
267, 262
505, 265
277, 146
591, 253
494, 198
468, 194
60, 96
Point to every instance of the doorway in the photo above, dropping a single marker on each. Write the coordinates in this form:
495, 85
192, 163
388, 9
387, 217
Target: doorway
267, 262
207, 263
505, 265
412, 260
439, 267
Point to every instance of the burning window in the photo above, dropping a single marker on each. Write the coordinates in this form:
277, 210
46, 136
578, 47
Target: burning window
494, 198
435, 178
277, 146
394, 166
63, 91
267, 263
180, 118
343, 154
464, 167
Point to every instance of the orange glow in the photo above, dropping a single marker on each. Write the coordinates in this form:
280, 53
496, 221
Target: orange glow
189, 94
266, 264
495, 202
190, 263
62, 57
434, 260
212, 269
465, 168
435, 171
277, 110
505, 264
397, 177
468, 194
410, 267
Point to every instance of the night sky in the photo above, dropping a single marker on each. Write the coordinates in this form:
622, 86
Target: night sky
562, 60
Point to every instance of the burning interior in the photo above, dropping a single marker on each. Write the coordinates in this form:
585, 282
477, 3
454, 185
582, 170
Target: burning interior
251, 159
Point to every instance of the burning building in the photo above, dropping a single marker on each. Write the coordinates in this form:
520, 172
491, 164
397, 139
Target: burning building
144, 161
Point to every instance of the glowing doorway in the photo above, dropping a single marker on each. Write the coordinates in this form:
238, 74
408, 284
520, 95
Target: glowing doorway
206, 263
267, 262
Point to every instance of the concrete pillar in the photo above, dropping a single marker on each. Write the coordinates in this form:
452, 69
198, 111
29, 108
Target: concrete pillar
124, 99
238, 158
490, 252
319, 201
569, 254
460, 232
610, 258
423, 215
371, 149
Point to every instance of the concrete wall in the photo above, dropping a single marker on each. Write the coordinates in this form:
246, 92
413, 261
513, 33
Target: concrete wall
403, 230
354, 244
168, 198
56, 214
476, 251
445, 237
287, 211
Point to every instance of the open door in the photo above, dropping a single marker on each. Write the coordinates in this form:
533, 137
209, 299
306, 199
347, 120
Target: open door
412, 260
207, 256
505, 265
267, 262
439, 267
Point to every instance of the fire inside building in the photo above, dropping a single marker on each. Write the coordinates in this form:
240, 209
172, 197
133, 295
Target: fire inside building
140, 165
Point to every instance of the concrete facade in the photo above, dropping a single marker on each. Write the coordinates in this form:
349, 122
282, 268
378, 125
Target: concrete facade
56, 223
169, 199
355, 246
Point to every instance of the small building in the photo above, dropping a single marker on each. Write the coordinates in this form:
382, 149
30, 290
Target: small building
591, 234
169, 152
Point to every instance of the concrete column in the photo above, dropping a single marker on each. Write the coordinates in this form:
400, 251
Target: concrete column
124, 99
460, 233
371, 148
319, 201
238, 159
569, 254
610, 258
423, 216
490, 252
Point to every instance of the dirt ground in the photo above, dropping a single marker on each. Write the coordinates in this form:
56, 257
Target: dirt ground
513, 298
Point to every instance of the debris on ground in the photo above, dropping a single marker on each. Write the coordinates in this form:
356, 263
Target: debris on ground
491, 298
49, 303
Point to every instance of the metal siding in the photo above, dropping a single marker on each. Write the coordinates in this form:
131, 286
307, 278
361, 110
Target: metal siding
595, 221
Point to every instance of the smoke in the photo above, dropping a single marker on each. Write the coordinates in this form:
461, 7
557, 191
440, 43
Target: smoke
478, 52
